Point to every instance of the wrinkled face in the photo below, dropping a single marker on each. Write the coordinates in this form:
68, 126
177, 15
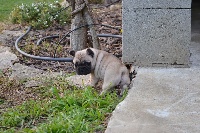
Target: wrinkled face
82, 62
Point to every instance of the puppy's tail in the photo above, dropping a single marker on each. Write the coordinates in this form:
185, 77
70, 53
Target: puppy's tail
132, 71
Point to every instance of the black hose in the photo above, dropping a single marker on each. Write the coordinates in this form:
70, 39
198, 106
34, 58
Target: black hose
67, 59
87, 25
38, 57
57, 36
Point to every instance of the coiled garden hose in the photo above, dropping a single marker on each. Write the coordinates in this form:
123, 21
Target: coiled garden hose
66, 59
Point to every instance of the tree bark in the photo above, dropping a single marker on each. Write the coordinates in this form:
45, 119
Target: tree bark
78, 38
89, 21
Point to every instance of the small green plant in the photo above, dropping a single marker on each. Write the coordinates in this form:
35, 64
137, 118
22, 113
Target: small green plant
1, 101
66, 109
40, 15
24, 115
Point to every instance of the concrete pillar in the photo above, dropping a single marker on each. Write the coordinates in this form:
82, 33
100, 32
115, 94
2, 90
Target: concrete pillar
156, 32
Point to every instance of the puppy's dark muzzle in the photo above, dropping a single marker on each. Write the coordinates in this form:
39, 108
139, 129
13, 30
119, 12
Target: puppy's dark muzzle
83, 68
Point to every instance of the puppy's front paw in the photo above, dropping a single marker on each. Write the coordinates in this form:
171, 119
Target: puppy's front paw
93, 80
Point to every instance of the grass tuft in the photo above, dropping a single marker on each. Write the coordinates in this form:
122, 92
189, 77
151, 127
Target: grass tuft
65, 109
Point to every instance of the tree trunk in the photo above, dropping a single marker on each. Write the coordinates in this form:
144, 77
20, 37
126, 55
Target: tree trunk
78, 38
89, 20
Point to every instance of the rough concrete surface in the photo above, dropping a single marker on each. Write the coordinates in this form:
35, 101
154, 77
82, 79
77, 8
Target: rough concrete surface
162, 100
156, 37
157, 3
6, 57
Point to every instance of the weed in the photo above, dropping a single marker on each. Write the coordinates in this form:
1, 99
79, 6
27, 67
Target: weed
79, 111
1, 101
24, 115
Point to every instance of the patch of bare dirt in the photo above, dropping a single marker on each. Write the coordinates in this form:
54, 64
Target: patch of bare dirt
13, 92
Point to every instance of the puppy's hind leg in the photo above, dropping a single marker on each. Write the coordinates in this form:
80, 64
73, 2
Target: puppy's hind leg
123, 89
125, 83
106, 87
108, 84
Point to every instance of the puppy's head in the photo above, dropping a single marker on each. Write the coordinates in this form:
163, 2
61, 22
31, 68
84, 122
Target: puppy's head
83, 61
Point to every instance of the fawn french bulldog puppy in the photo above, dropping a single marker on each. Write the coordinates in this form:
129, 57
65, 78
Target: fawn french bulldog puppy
101, 65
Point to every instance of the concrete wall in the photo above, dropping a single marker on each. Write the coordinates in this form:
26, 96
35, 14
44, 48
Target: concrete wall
156, 32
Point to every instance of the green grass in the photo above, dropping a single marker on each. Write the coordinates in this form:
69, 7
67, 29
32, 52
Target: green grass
62, 108
6, 6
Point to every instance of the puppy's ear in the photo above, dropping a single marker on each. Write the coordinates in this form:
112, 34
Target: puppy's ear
72, 53
90, 52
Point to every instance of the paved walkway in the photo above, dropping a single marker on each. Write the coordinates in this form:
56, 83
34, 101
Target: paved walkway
162, 100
